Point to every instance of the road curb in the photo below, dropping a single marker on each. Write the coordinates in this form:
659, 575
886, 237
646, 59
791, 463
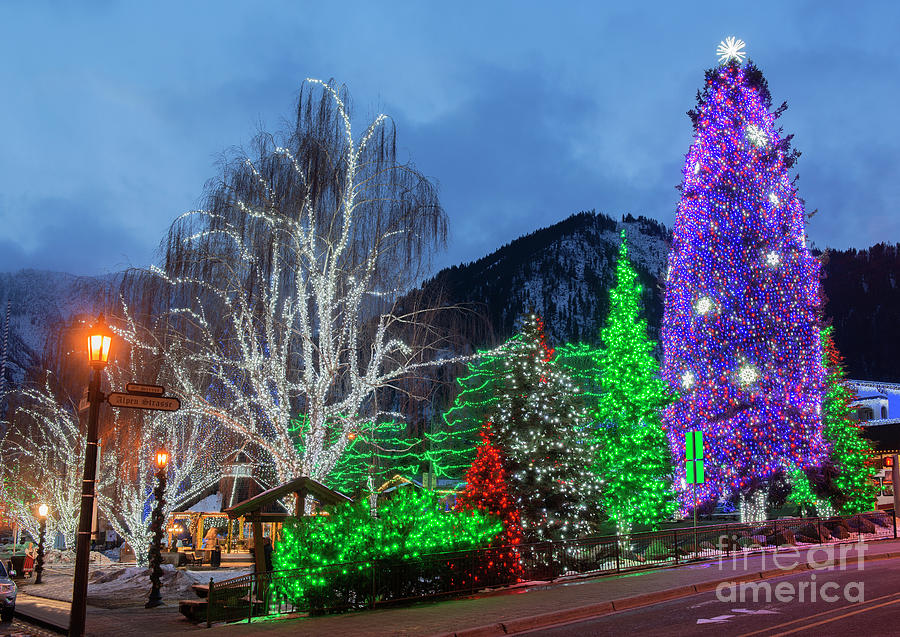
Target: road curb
599, 609
43, 623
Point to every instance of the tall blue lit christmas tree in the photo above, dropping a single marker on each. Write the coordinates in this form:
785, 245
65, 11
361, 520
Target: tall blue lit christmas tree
740, 329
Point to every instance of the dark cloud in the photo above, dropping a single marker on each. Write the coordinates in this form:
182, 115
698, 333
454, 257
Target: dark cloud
71, 236
118, 112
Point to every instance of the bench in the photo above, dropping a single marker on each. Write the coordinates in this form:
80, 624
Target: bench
194, 558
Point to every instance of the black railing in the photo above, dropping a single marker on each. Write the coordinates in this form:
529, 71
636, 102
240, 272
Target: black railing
366, 584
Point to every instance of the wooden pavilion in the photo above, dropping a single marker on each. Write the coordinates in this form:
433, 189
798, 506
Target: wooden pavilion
259, 510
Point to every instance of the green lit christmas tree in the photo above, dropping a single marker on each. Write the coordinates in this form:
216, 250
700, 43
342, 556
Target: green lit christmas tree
542, 433
849, 453
632, 453
452, 444
844, 484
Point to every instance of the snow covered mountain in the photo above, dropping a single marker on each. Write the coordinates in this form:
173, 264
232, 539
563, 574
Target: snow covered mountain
35, 305
563, 272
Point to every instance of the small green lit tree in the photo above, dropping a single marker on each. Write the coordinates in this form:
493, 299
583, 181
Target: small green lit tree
849, 453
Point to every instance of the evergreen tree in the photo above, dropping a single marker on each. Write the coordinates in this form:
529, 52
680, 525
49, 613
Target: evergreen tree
632, 453
542, 433
741, 324
849, 453
487, 490
580, 362
452, 444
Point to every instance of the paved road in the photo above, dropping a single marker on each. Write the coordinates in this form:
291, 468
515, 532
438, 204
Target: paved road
18, 628
705, 614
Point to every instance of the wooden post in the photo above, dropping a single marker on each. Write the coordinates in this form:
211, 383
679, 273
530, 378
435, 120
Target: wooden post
198, 536
230, 533
259, 555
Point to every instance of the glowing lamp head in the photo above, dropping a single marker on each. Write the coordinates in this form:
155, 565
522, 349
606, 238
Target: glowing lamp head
99, 340
704, 305
43, 510
162, 458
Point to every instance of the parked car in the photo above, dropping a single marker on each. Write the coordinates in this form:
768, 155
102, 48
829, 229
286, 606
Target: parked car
7, 595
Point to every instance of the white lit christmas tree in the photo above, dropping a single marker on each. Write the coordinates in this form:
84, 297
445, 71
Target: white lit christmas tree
542, 434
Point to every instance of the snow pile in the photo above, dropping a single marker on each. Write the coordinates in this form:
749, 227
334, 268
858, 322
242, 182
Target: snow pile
122, 581
134, 581
56, 557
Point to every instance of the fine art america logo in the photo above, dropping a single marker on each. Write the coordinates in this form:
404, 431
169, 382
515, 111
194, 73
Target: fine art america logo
814, 588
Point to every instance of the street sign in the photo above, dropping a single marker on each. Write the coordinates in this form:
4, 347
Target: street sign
693, 452
84, 404
137, 401
145, 390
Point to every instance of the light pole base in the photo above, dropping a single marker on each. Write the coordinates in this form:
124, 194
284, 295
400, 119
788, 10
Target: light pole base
155, 600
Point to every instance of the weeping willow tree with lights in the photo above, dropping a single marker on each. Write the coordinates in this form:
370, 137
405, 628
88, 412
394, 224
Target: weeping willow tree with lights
632, 452
289, 288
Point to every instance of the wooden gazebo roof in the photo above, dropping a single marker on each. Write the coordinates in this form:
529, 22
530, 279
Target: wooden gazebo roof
300, 487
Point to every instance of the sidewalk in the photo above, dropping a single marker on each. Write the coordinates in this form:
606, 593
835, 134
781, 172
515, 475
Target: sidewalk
128, 622
542, 605
496, 613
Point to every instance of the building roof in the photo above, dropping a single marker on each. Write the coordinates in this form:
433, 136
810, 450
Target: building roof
305, 485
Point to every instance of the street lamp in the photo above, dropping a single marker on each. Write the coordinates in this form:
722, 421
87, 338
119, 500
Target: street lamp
156, 527
99, 342
39, 566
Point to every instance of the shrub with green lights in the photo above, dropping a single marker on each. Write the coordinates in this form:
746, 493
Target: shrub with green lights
331, 556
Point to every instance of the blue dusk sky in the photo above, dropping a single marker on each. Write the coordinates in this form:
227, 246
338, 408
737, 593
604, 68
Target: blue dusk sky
523, 112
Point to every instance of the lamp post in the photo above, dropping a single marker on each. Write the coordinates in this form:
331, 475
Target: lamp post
99, 341
156, 527
39, 566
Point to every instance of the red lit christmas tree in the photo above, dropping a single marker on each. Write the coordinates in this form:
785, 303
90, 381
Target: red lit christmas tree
487, 491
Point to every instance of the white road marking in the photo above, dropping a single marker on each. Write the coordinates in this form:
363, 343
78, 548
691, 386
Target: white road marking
721, 619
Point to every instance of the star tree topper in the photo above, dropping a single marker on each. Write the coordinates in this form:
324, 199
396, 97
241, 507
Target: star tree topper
731, 49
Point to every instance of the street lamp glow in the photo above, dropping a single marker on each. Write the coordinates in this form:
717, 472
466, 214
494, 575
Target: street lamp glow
43, 510
99, 340
162, 458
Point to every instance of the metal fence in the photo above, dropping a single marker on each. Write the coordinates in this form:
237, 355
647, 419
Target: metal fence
366, 584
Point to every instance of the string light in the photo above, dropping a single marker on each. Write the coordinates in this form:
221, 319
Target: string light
409, 525
748, 374
704, 305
